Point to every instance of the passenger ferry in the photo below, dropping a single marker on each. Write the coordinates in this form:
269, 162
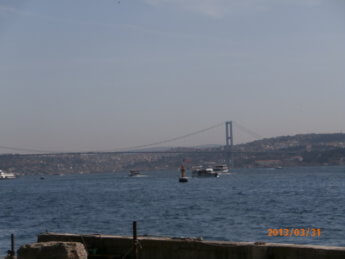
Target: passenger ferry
200, 171
4, 175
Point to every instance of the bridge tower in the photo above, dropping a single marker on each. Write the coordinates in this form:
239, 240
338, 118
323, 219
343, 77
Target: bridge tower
229, 144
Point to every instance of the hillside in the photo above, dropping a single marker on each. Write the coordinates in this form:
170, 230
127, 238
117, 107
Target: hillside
297, 150
335, 140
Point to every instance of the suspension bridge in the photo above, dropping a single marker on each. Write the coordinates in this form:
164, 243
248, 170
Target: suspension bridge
226, 150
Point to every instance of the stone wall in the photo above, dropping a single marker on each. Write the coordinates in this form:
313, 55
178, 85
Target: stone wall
52, 250
172, 248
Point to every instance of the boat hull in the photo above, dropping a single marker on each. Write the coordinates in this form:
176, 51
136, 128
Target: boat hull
204, 174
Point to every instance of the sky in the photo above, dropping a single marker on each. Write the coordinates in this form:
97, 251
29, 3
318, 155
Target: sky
100, 75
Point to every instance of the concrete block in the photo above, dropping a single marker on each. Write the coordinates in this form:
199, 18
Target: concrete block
52, 250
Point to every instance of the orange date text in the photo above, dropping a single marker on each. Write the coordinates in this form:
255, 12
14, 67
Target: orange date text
294, 232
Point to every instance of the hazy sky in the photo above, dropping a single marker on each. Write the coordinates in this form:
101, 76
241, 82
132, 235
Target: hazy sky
104, 74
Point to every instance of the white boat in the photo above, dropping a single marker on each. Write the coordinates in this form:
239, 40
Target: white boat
222, 169
199, 171
4, 175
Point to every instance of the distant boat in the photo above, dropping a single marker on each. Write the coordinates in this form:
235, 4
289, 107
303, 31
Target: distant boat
135, 173
199, 171
4, 175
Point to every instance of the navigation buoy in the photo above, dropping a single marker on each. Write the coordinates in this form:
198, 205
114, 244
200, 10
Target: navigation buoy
183, 178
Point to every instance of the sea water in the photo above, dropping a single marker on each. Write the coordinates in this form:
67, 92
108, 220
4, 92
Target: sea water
241, 206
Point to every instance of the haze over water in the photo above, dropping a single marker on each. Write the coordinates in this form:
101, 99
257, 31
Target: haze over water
236, 207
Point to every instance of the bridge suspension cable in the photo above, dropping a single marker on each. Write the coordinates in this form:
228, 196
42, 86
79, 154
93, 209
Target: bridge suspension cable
172, 139
131, 148
249, 132
26, 149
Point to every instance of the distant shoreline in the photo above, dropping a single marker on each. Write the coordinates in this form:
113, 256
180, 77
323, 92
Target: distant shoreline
286, 151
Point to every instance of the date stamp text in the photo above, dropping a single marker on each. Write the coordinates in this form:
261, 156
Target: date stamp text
294, 232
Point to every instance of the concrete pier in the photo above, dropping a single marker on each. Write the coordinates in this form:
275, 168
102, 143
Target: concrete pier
107, 246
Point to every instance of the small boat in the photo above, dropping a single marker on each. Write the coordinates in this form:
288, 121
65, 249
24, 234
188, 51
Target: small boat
135, 173
4, 175
204, 172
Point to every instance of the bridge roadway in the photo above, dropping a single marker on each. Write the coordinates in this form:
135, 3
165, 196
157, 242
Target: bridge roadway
170, 152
